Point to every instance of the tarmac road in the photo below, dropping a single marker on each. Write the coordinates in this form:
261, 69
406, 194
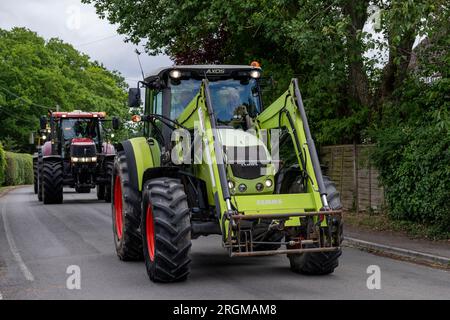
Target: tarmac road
38, 243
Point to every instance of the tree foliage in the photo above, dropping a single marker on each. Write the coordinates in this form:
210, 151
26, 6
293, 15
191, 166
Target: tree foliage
37, 75
323, 43
358, 86
2, 164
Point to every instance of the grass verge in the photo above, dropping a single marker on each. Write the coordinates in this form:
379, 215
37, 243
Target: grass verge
381, 222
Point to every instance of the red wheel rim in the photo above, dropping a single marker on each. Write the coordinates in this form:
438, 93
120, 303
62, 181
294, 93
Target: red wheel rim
118, 206
150, 233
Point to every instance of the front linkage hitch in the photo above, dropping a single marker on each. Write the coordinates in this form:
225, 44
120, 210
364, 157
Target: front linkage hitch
317, 238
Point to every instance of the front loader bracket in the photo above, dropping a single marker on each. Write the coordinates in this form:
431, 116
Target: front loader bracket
318, 239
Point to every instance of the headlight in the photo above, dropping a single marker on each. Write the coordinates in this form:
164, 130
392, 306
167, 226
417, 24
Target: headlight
230, 184
255, 74
175, 74
268, 183
259, 186
242, 187
44, 137
84, 159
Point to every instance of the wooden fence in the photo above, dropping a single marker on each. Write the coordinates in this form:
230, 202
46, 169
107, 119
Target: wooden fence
356, 179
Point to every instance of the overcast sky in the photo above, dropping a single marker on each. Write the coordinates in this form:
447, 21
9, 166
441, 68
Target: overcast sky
78, 24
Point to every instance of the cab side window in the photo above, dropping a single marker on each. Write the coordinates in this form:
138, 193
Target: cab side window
155, 128
157, 103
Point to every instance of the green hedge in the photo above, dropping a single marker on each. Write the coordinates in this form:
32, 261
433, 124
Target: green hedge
2, 164
414, 163
19, 169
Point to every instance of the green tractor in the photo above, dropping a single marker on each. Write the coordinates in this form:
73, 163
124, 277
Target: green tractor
209, 163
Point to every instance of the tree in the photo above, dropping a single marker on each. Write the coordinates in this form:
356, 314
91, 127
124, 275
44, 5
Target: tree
321, 42
37, 75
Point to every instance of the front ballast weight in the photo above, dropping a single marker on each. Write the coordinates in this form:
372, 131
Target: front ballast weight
240, 243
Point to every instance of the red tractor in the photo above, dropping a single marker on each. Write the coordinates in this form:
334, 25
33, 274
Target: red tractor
76, 154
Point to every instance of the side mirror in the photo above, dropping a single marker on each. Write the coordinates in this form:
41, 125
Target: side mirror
43, 122
115, 123
134, 97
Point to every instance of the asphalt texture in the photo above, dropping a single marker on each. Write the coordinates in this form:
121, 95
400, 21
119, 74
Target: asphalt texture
42, 248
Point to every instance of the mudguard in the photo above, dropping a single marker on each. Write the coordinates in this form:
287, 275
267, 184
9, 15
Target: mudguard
52, 158
47, 148
141, 155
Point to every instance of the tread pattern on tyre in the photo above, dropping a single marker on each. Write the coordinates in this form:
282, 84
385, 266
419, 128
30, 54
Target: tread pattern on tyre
39, 175
109, 172
35, 176
129, 247
52, 182
320, 263
172, 230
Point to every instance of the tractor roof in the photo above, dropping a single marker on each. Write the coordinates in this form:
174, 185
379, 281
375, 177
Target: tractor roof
78, 114
200, 68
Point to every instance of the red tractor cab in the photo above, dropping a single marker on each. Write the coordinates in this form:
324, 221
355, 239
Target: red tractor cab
77, 154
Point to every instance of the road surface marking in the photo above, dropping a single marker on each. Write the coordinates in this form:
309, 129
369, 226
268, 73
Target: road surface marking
12, 246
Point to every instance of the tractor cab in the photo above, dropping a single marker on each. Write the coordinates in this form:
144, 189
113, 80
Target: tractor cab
76, 131
235, 91
235, 101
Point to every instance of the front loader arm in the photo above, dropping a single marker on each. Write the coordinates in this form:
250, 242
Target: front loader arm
288, 112
199, 116
285, 112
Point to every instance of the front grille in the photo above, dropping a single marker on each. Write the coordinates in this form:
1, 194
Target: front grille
247, 162
83, 150
248, 171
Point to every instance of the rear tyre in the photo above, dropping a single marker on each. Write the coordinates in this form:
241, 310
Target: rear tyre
126, 213
109, 172
101, 192
321, 263
35, 176
52, 182
39, 175
166, 230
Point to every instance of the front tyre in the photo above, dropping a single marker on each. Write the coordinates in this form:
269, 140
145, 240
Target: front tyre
321, 263
262, 232
52, 182
166, 230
